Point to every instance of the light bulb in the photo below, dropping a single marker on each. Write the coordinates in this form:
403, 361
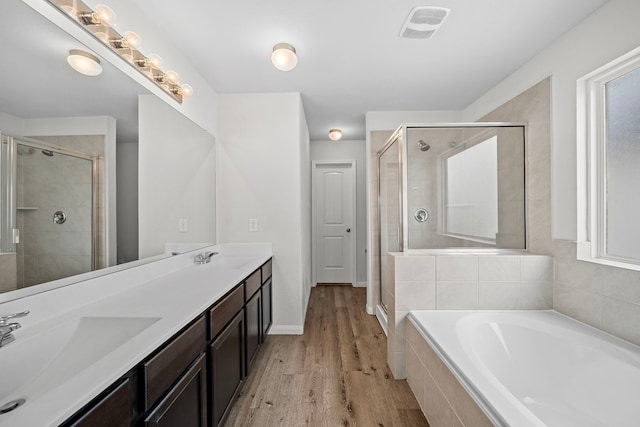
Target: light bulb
133, 39
187, 90
105, 14
155, 60
172, 77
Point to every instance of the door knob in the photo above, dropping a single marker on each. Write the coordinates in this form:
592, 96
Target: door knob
348, 230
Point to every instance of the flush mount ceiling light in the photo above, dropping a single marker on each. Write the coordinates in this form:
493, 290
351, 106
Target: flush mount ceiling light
99, 22
335, 134
423, 22
284, 57
84, 62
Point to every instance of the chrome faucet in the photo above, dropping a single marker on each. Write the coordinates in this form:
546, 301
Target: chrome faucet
6, 329
204, 258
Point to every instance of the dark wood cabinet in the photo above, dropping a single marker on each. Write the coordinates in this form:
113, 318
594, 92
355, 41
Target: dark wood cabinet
185, 405
253, 320
226, 368
192, 379
267, 304
113, 410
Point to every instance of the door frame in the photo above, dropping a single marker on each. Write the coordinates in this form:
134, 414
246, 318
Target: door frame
314, 217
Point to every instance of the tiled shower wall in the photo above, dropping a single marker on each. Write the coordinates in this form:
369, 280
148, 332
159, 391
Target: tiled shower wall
49, 251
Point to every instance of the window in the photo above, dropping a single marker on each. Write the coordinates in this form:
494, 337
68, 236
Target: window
609, 185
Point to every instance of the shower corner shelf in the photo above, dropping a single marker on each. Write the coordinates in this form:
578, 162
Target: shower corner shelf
27, 208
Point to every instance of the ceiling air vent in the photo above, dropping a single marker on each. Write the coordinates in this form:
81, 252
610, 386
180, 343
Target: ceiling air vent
423, 22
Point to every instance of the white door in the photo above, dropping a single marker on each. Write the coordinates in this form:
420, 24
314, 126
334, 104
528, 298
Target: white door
334, 222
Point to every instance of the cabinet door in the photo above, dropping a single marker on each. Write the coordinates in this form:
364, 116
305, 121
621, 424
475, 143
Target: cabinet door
186, 403
253, 318
267, 318
112, 411
227, 368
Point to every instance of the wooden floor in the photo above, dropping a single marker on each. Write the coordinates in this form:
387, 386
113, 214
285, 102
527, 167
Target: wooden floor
334, 375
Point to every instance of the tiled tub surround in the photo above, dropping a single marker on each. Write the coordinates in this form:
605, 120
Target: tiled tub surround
173, 290
461, 280
602, 296
523, 368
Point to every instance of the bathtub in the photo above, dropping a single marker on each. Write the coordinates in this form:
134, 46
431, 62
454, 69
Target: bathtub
533, 368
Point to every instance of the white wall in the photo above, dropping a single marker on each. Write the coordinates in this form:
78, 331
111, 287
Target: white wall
127, 196
351, 150
176, 178
608, 33
264, 174
305, 208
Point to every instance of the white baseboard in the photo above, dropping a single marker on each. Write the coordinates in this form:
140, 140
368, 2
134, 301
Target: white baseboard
286, 330
361, 284
382, 319
370, 310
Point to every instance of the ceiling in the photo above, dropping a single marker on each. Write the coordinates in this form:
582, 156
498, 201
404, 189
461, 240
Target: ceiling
350, 57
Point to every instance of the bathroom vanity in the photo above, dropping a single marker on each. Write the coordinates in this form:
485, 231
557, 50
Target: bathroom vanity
170, 345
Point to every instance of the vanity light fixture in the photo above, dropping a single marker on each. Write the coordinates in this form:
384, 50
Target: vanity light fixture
335, 134
84, 62
99, 22
284, 57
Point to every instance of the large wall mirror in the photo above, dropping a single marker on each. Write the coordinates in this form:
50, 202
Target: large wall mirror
72, 153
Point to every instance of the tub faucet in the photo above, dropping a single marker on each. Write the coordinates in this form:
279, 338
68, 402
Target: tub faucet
6, 329
204, 258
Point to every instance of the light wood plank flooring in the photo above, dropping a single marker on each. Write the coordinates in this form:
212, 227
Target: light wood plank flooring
334, 375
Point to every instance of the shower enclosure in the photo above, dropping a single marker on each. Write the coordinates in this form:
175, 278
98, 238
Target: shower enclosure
48, 218
451, 186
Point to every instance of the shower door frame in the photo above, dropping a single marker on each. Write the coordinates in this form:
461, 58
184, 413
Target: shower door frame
400, 135
9, 164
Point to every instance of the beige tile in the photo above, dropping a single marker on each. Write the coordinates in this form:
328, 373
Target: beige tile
415, 268
436, 407
498, 295
621, 284
457, 295
415, 375
456, 268
415, 296
536, 295
467, 410
499, 268
582, 305
536, 268
439, 372
621, 319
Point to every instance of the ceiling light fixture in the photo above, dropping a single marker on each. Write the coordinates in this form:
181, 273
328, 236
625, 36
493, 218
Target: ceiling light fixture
284, 57
84, 62
335, 134
99, 22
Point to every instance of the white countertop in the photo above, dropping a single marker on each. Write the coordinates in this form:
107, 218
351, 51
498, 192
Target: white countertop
175, 290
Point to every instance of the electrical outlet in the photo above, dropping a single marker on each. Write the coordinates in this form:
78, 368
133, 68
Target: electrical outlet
253, 224
183, 225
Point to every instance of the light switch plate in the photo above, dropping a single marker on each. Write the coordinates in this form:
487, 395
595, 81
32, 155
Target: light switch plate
253, 224
183, 225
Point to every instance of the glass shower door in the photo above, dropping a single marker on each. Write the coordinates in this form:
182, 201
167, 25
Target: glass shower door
54, 214
390, 203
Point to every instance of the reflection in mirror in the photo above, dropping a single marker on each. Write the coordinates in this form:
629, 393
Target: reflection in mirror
48, 108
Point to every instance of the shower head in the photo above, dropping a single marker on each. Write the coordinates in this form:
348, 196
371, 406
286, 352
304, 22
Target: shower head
47, 153
424, 146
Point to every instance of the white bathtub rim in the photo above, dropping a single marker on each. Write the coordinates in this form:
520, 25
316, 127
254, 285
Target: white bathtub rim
475, 394
481, 399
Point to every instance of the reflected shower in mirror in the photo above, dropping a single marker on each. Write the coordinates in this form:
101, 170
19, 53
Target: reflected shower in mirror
45, 103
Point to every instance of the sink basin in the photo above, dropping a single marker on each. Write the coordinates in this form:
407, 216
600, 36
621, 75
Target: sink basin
231, 262
35, 364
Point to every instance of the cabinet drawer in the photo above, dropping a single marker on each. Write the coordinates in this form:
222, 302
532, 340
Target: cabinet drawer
266, 271
113, 411
252, 284
166, 367
225, 310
